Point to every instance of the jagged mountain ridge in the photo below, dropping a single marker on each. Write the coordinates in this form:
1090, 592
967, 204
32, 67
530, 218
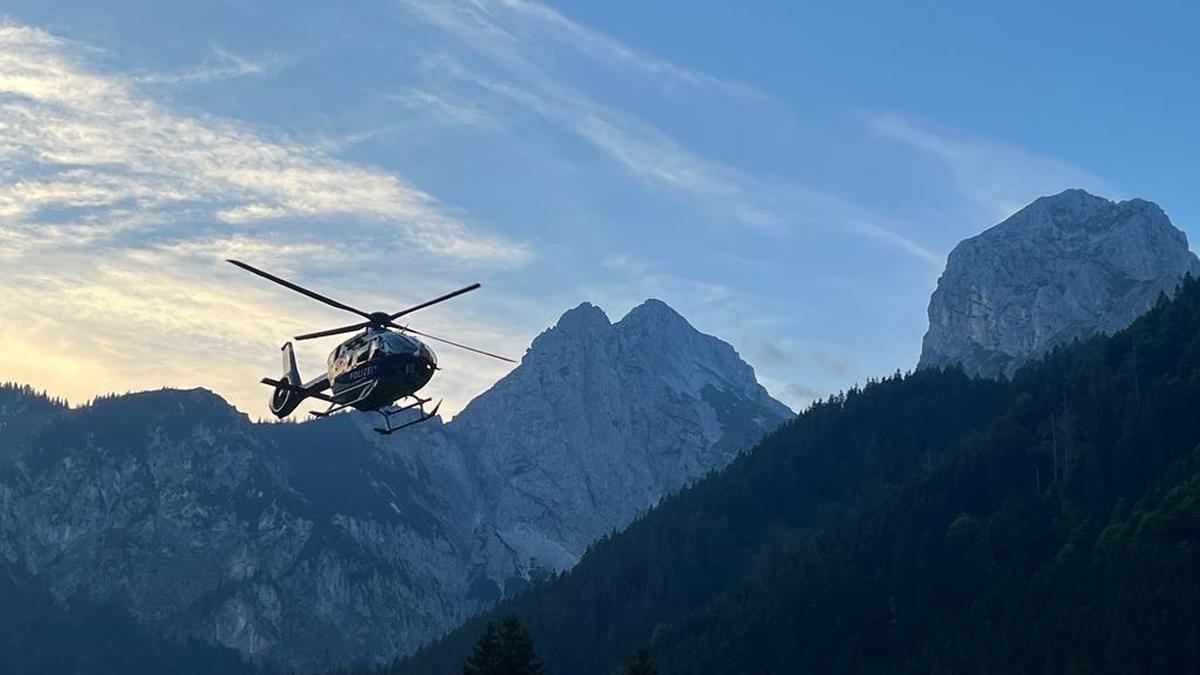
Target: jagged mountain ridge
321, 543
1063, 268
555, 502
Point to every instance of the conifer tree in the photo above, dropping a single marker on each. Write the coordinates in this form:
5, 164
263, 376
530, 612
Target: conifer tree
518, 654
641, 664
485, 659
507, 651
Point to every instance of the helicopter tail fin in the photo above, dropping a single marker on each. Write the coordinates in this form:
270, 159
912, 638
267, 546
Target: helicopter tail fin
285, 399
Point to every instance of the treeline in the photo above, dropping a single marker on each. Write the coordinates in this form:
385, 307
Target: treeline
10, 391
23, 412
925, 523
509, 649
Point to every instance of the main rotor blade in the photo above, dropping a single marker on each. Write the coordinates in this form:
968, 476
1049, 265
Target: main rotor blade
434, 301
334, 331
299, 289
406, 329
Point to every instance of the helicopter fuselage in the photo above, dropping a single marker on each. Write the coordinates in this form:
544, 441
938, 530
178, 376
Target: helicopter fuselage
371, 370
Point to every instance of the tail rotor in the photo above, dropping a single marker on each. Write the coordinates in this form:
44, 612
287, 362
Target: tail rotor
288, 389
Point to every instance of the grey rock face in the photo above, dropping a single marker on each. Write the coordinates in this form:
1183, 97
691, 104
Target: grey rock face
287, 542
322, 543
1065, 267
597, 424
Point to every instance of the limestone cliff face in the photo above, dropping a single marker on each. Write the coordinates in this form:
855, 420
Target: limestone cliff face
322, 543
1062, 268
302, 544
597, 424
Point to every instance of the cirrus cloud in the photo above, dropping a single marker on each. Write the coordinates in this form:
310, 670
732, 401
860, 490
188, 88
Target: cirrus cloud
116, 209
83, 138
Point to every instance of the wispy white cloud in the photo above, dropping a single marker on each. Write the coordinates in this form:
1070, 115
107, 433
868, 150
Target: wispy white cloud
442, 107
635, 279
87, 135
115, 211
225, 65
512, 34
539, 20
997, 178
641, 149
513, 37
874, 230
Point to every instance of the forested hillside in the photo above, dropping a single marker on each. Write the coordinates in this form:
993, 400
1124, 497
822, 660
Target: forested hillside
926, 523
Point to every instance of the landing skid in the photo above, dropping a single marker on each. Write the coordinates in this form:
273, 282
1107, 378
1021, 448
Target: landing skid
333, 408
387, 413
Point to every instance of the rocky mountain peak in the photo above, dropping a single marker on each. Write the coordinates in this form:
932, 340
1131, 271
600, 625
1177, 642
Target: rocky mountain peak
1065, 267
584, 327
597, 423
583, 318
1072, 206
660, 340
655, 313
319, 543
1077, 212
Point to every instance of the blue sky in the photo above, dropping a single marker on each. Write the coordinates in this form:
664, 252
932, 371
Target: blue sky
788, 177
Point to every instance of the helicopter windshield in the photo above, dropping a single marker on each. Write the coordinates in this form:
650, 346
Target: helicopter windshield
397, 343
346, 352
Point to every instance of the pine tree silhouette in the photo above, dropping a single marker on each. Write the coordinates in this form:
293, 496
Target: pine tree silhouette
508, 651
485, 659
641, 664
518, 655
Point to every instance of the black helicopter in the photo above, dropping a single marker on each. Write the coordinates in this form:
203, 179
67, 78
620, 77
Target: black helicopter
370, 371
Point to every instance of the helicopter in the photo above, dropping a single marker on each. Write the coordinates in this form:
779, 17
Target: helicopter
372, 370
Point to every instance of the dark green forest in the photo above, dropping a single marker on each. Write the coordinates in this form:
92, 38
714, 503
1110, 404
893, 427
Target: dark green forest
925, 523
507, 650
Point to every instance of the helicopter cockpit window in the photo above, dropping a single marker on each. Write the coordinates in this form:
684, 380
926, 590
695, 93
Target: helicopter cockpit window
361, 355
399, 344
338, 358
